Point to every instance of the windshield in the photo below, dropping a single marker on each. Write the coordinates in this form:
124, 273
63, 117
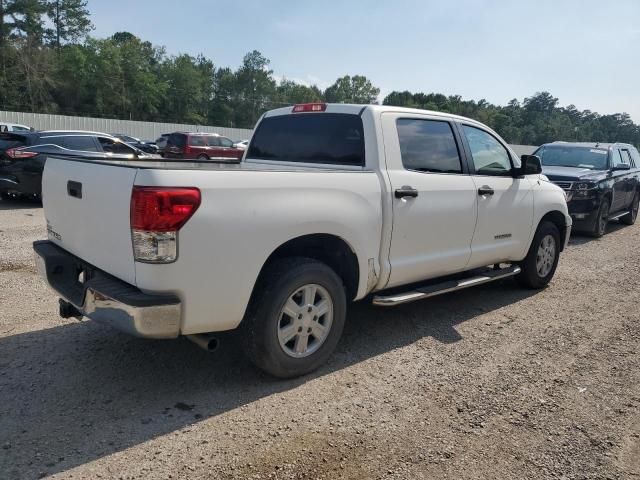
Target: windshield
579, 157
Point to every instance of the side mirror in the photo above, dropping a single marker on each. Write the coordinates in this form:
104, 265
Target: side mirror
531, 165
622, 166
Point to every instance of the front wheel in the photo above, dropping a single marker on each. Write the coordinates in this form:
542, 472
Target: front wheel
602, 219
296, 317
541, 261
630, 218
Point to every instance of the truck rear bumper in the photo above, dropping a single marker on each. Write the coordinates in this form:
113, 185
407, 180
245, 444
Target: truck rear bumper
99, 296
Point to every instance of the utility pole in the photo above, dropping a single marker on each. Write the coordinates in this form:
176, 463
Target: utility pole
2, 35
58, 24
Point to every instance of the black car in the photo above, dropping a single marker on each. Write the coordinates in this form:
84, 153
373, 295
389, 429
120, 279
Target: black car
601, 180
147, 147
23, 155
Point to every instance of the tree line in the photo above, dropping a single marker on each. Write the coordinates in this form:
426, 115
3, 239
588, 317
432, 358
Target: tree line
50, 64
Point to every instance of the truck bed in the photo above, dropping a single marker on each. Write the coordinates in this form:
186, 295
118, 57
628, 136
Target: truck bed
207, 165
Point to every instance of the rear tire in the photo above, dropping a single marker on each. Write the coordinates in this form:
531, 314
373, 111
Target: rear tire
630, 218
203, 157
602, 219
296, 300
541, 261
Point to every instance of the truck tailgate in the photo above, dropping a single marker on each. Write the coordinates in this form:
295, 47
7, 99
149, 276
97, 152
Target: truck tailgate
86, 206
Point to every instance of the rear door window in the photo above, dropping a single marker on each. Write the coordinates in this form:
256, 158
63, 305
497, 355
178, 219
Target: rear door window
197, 141
428, 146
329, 138
52, 140
213, 141
82, 143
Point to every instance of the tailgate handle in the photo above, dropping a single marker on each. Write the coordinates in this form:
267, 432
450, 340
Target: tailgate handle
74, 189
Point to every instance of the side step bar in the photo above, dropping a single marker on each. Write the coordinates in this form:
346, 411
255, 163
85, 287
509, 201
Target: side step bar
444, 287
617, 215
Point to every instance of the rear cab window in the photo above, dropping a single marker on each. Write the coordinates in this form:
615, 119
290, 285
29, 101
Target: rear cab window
316, 138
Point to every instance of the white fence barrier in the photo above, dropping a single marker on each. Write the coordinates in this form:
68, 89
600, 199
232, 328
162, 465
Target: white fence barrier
143, 130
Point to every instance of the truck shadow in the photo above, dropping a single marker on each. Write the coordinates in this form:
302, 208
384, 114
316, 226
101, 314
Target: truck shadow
580, 238
78, 392
19, 204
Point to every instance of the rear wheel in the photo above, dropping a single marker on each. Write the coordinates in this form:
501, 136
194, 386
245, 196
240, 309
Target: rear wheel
602, 219
296, 317
203, 157
630, 218
541, 261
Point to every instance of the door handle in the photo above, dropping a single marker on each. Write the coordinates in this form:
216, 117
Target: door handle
406, 191
486, 190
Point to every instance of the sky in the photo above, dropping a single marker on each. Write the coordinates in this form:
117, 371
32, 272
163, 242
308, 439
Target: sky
585, 52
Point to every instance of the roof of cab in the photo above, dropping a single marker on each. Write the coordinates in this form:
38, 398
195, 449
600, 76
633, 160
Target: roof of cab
72, 132
602, 145
357, 109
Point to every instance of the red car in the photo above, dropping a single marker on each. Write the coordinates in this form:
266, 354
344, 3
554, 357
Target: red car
201, 146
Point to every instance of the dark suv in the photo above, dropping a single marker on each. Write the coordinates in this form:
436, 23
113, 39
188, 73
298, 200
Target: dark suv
23, 155
202, 146
601, 180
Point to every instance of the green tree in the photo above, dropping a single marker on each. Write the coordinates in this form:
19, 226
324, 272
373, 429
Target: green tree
255, 88
290, 92
70, 20
356, 89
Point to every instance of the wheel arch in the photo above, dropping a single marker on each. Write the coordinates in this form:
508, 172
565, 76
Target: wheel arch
329, 249
558, 219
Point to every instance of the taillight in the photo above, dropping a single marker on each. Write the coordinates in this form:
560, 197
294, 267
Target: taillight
157, 213
17, 153
309, 107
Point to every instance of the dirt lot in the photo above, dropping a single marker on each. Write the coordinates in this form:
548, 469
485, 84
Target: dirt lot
493, 382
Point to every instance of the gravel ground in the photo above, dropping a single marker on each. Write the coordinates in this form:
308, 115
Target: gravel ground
492, 382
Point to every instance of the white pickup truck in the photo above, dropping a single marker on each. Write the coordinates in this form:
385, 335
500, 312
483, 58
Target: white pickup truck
331, 203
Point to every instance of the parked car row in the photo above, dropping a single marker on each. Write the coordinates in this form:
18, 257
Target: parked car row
23, 155
23, 152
